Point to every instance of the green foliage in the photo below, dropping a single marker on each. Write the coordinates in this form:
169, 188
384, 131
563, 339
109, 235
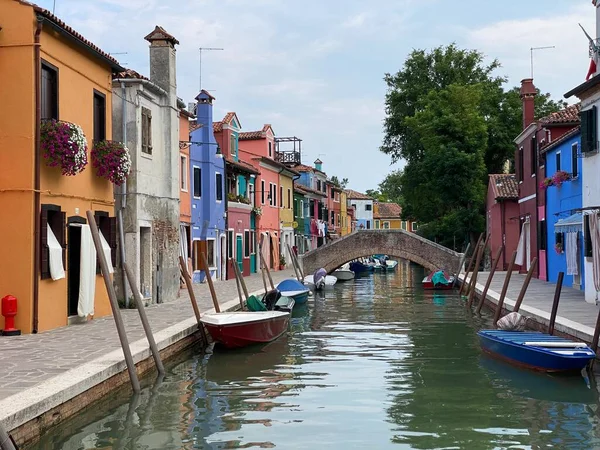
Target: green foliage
376, 195
450, 119
341, 184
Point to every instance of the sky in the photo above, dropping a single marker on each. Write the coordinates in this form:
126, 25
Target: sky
314, 68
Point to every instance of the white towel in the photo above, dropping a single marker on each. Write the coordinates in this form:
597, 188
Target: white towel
571, 252
57, 270
107, 253
520, 259
87, 274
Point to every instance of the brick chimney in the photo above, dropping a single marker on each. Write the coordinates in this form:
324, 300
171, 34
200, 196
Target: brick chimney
528, 93
162, 62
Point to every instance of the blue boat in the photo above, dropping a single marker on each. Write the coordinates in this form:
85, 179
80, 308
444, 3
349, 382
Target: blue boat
358, 267
537, 351
294, 289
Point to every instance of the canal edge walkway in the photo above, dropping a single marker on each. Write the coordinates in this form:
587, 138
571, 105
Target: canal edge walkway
22, 403
575, 318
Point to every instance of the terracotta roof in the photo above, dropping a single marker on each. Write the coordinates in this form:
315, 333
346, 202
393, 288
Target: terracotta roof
388, 211
504, 186
130, 73
301, 189
303, 168
228, 117
276, 163
574, 132
357, 195
250, 135
568, 115
70, 31
308, 190
160, 34
217, 127
242, 166
194, 126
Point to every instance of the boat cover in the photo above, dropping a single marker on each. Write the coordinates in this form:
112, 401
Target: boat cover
439, 278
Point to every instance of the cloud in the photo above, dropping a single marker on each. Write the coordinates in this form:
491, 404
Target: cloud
356, 21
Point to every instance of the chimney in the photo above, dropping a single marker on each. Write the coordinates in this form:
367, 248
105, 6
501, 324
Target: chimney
528, 93
162, 62
204, 109
319, 165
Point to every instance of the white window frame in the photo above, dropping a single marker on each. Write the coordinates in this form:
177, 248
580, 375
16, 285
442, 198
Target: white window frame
195, 255
404, 225
386, 224
183, 172
376, 224
230, 232
211, 264
262, 194
222, 187
302, 209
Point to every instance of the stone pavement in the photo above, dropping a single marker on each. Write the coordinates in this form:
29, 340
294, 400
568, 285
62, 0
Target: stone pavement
575, 316
28, 360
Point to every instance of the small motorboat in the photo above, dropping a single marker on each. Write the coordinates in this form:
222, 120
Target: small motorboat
271, 301
320, 280
343, 273
294, 289
537, 351
391, 264
438, 280
360, 267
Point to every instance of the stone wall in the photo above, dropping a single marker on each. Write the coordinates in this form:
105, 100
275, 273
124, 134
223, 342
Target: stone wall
394, 243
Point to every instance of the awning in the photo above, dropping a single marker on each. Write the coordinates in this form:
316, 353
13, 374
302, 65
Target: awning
569, 224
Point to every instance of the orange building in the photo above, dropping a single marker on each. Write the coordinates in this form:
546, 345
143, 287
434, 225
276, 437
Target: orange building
51, 72
185, 200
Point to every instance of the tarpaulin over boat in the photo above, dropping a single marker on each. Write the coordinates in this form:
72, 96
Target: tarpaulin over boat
439, 278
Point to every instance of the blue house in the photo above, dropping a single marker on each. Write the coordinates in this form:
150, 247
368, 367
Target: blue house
563, 231
207, 173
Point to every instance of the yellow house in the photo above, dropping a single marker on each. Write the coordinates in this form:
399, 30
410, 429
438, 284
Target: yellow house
286, 211
51, 72
387, 216
345, 225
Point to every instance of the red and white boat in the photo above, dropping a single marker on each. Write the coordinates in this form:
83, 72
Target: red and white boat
242, 328
438, 280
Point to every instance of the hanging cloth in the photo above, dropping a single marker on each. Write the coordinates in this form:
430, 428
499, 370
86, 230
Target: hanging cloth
595, 235
521, 247
87, 274
107, 253
183, 241
571, 252
57, 270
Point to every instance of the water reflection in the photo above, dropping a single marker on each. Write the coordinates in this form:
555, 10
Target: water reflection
374, 363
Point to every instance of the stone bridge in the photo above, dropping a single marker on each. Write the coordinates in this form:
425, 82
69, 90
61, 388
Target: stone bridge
394, 243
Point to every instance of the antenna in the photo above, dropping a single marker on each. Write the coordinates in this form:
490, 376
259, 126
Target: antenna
201, 50
53, 6
538, 48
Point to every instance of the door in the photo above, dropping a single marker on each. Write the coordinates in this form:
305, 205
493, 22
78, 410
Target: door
239, 252
73, 268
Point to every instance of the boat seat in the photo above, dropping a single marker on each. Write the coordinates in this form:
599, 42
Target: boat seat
254, 304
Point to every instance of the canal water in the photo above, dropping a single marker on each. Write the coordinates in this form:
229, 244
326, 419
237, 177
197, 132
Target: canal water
375, 363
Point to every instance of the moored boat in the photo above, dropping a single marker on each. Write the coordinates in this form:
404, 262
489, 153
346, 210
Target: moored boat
438, 280
343, 273
360, 267
391, 264
320, 280
294, 289
537, 351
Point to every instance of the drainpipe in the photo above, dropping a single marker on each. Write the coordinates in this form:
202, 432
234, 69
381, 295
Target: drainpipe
37, 62
123, 202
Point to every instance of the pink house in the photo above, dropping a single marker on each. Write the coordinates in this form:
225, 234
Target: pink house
502, 216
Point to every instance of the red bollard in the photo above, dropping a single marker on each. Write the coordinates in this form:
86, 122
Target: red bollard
9, 311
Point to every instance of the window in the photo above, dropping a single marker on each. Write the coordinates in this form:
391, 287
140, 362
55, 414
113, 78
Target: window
311, 208
368, 224
587, 237
338, 220
211, 254
274, 195
368, 207
534, 155
183, 171
559, 239
197, 182
332, 219
403, 225
262, 192
246, 244
302, 209
289, 198
520, 163
146, 131
318, 185
270, 150
108, 227
415, 226
353, 206
589, 130
229, 244
198, 247
377, 224
386, 225
251, 193
49, 92
542, 238
332, 193
557, 161
51, 217
281, 196
574, 168
253, 242
219, 186
99, 116
232, 145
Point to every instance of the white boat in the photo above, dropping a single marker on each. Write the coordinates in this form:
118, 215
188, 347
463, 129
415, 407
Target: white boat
343, 273
391, 264
329, 281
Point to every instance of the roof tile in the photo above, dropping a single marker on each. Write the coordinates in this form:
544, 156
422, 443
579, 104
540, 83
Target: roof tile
568, 115
357, 195
504, 186
389, 210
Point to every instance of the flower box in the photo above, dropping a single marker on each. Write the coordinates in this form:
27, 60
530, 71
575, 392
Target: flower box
63, 145
111, 160
559, 177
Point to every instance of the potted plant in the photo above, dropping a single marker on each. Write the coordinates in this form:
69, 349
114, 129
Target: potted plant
560, 177
546, 183
257, 211
558, 247
282, 262
232, 197
112, 161
63, 145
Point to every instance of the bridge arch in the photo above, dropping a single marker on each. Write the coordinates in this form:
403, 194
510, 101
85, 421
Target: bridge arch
395, 243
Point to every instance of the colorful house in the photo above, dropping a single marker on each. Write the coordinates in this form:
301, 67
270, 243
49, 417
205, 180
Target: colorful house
239, 181
301, 239
149, 114
286, 213
185, 199
314, 225
502, 216
345, 222
207, 177
564, 236
363, 209
55, 75
388, 216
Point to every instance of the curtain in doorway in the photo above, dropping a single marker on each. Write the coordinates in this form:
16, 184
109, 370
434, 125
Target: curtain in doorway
183, 242
571, 252
87, 275
595, 235
521, 248
57, 270
107, 254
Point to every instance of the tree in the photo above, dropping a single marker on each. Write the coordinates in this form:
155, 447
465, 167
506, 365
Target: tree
391, 186
341, 184
376, 195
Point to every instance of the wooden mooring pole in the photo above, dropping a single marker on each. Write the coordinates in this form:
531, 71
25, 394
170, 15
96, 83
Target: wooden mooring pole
114, 305
190, 289
460, 264
489, 280
505, 287
211, 287
559, 283
242, 282
144, 319
473, 281
596, 334
525, 284
471, 262
237, 283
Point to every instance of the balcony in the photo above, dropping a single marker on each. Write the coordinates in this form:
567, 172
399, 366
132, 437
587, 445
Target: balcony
288, 150
292, 157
